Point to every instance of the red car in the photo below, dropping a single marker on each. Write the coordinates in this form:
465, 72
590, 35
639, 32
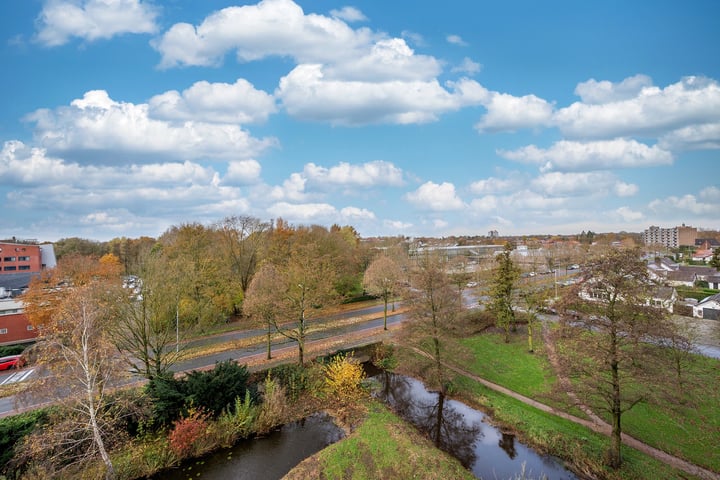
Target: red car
13, 361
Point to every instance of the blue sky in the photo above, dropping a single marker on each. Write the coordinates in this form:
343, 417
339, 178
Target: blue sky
125, 117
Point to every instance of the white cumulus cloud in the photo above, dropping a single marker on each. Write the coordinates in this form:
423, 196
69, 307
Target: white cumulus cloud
369, 174
272, 27
568, 155
456, 40
651, 111
509, 113
237, 103
242, 172
436, 197
558, 184
349, 14
467, 66
92, 20
355, 213
599, 92
97, 123
306, 93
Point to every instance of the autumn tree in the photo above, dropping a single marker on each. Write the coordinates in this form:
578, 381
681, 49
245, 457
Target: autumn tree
382, 279
261, 301
210, 293
715, 260
609, 338
502, 291
434, 308
301, 283
147, 311
74, 352
243, 239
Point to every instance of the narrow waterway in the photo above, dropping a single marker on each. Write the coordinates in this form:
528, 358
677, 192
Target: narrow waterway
463, 432
266, 458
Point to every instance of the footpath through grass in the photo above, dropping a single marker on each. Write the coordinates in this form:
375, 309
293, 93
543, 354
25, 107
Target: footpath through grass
689, 428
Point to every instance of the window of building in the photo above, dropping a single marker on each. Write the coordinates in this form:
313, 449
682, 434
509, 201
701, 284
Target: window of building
7, 269
30, 327
9, 259
24, 267
24, 259
3, 331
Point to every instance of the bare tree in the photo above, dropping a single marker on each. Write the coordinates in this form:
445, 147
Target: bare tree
243, 240
609, 338
435, 307
382, 279
534, 301
148, 327
76, 354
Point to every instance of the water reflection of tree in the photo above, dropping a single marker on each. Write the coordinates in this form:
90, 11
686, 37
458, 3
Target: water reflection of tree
445, 426
507, 443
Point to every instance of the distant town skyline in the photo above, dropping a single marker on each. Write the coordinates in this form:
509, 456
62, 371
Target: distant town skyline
126, 117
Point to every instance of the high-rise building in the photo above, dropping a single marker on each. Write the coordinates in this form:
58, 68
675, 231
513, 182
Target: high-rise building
670, 237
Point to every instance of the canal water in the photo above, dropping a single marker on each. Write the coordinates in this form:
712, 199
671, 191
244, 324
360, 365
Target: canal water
463, 432
264, 458
453, 426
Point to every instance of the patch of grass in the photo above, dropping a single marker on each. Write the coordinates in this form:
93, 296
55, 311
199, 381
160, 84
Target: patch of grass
690, 430
563, 438
510, 364
383, 446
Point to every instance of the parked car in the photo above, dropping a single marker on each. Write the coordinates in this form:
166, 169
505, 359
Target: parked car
574, 266
12, 361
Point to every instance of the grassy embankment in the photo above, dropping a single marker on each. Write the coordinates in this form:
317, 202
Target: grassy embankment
690, 431
382, 446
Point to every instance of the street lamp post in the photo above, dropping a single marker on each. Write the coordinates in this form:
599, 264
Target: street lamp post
177, 329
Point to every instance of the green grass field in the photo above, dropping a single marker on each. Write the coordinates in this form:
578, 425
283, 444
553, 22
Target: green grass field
689, 430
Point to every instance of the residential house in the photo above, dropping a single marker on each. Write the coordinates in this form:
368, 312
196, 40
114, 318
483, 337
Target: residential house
702, 256
708, 308
701, 272
664, 297
681, 278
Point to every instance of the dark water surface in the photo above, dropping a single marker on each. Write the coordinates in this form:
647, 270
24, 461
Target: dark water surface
462, 432
266, 458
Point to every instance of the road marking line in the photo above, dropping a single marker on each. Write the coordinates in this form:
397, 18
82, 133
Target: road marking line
17, 377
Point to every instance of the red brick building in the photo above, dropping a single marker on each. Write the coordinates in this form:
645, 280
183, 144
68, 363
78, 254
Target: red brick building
14, 326
19, 258
19, 263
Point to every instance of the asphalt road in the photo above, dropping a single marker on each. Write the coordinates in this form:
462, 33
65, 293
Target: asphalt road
10, 406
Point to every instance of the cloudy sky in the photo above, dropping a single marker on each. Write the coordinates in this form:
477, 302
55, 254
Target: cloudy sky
125, 117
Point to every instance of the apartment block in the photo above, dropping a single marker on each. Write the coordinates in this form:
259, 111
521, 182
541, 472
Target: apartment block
670, 237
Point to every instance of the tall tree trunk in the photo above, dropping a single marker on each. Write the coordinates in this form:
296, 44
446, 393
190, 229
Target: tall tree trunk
385, 314
110, 470
530, 336
269, 341
616, 436
439, 419
301, 340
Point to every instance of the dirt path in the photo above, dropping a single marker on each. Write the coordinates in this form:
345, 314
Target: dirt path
596, 424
